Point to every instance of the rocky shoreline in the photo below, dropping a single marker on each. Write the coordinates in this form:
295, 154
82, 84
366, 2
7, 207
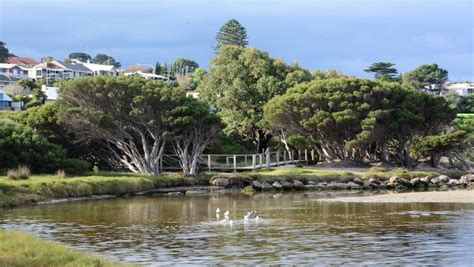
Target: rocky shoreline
398, 183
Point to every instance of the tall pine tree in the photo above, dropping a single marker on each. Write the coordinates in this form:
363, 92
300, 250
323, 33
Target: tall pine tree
232, 33
383, 71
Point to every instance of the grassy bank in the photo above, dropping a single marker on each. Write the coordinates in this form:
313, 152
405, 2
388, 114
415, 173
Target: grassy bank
20, 249
45, 187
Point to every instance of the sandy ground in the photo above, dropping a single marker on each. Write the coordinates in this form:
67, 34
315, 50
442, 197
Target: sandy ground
465, 196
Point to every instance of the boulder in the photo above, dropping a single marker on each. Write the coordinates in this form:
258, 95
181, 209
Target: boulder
435, 181
358, 181
426, 179
374, 181
220, 181
257, 185
277, 185
466, 179
287, 185
453, 182
443, 179
312, 182
298, 185
354, 186
266, 186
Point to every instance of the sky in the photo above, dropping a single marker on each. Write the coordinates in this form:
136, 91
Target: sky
345, 35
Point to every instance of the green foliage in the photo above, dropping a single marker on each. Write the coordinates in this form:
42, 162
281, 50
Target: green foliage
47, 59
197, 77
83, 57
440, 144
75, 166
240, 81
426, 77
383, 71
232, 33
351, 118
300, 142
466, 104
4, 53
327, 74
105, 60
183, 66
20, 144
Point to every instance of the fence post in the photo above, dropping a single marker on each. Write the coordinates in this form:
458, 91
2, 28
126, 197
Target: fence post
246, 163
267, 152
278, 157
312, 155
254, 161
306, 156
209, 161
293, 156
299, 156
235, 163
260, 159
284, 157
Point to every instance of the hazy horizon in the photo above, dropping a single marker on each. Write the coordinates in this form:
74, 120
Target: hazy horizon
343, 35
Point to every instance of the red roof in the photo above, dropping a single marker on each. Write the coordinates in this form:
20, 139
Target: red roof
22, 61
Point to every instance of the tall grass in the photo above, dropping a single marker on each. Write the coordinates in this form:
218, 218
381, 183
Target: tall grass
20, 173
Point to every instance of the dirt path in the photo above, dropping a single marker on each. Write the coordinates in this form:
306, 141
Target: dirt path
464, 196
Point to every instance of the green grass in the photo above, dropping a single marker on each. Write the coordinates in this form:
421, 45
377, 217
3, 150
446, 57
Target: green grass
44, 187
468, 115
21, 249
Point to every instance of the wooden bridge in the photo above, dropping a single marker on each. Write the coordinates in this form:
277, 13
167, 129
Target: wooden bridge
242, 162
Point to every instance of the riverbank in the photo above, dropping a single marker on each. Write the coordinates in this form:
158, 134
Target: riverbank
51, 188
21, 249
459, 196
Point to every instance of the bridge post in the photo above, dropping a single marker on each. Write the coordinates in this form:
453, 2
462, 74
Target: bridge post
312, 155
209, 162
261, 159
235, 163
278, 157
267, 152
254, 161
306, 156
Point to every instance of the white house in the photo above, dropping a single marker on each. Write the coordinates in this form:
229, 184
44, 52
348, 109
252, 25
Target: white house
5, 101
51, 92
149, 76
13, 70
102, 70
461, 88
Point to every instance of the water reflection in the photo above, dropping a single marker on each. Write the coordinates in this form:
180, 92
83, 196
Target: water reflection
295, 229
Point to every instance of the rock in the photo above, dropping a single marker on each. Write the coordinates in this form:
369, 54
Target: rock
358, 181
257, 185
443, 179
220, 181
312, 182
267, 187
174, 194
425, 179
435, 181
374, 181
405, 182
466, 179
277, 186
298, 185
287, 185
354, 186
453, 182
419, 182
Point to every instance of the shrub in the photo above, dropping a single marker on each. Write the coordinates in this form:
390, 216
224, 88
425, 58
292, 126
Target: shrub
75, 166
61, 173
95, 169
20, 173
374, 172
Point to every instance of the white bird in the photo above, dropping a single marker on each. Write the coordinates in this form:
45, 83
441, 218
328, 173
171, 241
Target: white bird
231, 222
226, 213
249, 215
218, 211
257, 218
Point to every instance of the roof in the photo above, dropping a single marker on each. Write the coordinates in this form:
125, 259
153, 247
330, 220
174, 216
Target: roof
5, 97
100, 67
7, 66
22, 61
77, 67
50, 65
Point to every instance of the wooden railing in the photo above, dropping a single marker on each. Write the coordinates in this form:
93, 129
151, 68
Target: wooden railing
241, 162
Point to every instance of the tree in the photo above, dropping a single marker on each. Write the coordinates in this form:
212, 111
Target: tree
183, 66
4, 53
105, 60
466, 104
47, 59
429, 78
130, 117
453, 98
197, 77
159, 68
349, 118
239, 83
194, 130
83, 57
327, 74
232, 33
383, 71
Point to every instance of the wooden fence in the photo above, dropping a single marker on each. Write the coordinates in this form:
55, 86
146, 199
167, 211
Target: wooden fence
241, 162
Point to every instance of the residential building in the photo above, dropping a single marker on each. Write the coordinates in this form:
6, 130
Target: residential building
464, 88
23, 61
5, 101
59, 70
13, 70
102, 70
149, 76
51, 93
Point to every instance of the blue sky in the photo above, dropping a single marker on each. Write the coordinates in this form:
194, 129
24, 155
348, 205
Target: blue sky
339, 34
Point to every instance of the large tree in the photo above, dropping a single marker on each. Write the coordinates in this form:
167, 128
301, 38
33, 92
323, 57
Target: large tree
383, 71
105, 60
429, 78
349, 118
4, 53
183, 66
239, 83
81, 56
232, 33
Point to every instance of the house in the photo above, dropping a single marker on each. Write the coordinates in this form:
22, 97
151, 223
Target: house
5, 101
59, 70
13, 70
51, 93
102, 70
149, 76
75, 69
462, 89
23, 61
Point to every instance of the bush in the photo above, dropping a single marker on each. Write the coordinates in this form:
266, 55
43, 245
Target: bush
20, 173
76, 166
374, 172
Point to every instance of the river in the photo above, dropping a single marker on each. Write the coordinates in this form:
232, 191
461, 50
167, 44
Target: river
294, 228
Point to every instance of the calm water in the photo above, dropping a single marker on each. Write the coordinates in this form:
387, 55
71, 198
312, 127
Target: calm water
295, 229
